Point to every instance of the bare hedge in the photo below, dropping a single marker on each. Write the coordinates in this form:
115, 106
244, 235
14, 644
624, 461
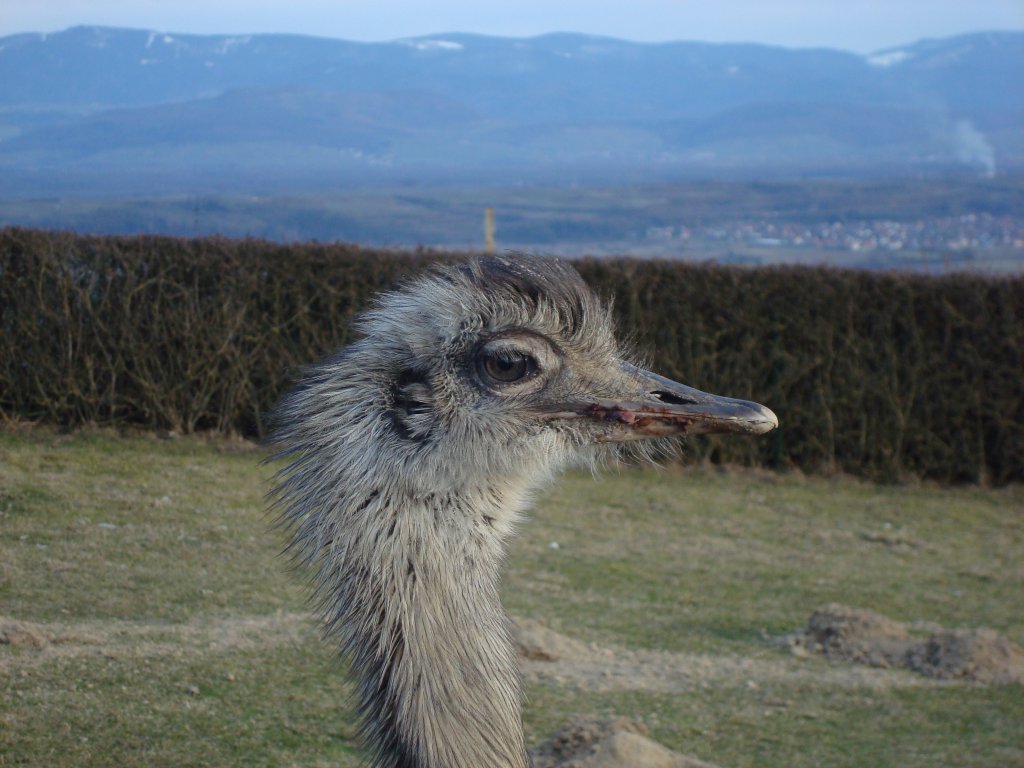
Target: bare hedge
881, 375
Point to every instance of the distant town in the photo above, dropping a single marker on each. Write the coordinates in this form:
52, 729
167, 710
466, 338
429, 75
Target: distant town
974, 231
933, 225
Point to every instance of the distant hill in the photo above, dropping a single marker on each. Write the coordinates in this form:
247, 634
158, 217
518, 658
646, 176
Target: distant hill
94, 111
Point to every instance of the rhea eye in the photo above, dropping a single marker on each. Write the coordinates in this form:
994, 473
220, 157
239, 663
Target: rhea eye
506, 366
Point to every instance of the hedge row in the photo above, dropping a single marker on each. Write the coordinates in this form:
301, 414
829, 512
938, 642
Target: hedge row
881, 375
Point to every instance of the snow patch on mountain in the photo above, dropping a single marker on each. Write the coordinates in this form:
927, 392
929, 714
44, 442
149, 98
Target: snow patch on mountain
888, 58
434, 45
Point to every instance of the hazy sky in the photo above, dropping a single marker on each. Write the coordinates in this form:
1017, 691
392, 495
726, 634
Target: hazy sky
857, 25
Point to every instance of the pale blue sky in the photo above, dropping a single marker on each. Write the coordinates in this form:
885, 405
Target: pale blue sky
857, 25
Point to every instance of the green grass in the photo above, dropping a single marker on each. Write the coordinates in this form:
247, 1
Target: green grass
694, 560
179, 639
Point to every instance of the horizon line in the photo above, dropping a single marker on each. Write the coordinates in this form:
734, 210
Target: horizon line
541, 35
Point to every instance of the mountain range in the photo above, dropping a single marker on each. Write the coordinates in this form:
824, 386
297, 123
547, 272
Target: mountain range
101, 111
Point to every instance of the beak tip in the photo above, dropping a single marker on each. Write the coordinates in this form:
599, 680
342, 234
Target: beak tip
766, 421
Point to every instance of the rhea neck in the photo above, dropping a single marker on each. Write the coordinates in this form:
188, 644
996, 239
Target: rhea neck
411, 589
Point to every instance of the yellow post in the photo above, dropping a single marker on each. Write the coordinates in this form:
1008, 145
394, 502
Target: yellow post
489, 230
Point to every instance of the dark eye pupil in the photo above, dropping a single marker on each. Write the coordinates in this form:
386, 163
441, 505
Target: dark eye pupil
508, 368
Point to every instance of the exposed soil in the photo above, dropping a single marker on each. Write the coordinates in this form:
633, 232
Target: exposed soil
130, 639
878, 647
612, 743
866, 637
552, 658
23, 633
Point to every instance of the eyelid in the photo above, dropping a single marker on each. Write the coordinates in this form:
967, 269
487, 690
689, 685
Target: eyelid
510, 354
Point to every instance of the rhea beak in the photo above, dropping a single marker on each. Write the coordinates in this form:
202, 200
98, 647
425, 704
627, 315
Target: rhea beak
660, 407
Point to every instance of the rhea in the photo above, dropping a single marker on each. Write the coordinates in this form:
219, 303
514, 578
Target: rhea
412, 454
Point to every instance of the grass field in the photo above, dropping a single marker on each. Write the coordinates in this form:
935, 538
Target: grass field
164, 629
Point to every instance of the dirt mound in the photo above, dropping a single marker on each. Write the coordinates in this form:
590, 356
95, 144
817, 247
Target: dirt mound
856, 634
536, 642
614, 743
23, 633
867, 637
970, 654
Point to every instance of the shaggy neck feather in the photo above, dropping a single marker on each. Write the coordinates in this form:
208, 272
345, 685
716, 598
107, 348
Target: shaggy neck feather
414, 599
